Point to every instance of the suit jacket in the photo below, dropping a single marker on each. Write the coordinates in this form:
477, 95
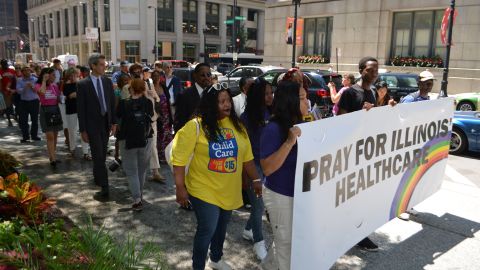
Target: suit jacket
90, 118
176, 85
185, 105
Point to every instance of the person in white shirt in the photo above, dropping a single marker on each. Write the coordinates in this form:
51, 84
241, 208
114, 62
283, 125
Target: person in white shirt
240, 99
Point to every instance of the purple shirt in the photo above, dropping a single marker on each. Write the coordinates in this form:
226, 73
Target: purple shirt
254, 135
282, 180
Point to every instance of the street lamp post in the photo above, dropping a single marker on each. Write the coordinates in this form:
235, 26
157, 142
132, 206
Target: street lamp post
443, 89
155, 34
294, 39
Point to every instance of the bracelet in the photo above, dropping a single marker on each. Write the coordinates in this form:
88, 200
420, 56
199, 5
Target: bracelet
256, 180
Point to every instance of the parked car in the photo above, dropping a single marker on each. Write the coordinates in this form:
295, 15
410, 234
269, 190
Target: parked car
112, 69
399, 84
468, 101
465, 132
224, 68
185, 75
234, 76
318, 92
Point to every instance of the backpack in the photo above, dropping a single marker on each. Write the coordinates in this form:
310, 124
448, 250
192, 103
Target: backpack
140, 124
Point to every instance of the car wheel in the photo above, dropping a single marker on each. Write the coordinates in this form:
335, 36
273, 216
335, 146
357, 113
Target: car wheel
465, 106
458, 142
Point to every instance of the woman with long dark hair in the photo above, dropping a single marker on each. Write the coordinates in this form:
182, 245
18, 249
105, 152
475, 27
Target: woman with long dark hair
278, 157
257, 112
50, 117
215, 146
381, 95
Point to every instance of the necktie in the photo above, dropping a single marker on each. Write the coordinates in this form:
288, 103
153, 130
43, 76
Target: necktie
101, 98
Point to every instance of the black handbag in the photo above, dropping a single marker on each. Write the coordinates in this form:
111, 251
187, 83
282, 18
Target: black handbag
52, 116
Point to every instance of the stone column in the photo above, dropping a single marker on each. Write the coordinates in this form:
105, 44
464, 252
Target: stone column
62, 30
260, 31
81, 56
37, 34
70, 27
178, 29
223, 28
114, 36
47, 31
30, 33
89, 23
201, 24
101, 23
55, 32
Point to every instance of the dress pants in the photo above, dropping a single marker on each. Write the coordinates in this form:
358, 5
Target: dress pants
29, 108
98, 142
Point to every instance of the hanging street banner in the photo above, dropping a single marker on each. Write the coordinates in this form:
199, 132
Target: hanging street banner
444, 26
289, 31
356, 172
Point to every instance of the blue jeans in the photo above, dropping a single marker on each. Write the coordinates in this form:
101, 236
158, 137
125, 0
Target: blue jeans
212, 224
255, 220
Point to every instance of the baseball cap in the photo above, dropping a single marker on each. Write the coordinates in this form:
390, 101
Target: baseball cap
124, 63
426, 75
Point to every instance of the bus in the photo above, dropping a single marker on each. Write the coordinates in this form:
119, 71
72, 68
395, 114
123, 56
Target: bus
242, 58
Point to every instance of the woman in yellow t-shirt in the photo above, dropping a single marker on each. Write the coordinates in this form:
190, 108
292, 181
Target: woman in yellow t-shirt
219, 149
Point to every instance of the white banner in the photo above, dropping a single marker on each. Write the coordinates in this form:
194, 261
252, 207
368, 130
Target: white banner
91, 33
356, 172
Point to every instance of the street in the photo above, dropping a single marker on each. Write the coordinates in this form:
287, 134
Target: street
444, 234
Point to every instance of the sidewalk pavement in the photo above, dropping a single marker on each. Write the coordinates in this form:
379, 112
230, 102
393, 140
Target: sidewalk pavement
444, 235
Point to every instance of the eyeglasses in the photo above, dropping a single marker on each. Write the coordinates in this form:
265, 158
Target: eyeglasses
206, 75
218, 86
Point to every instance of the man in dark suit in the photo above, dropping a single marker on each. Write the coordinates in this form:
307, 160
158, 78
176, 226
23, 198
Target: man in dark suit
96, 117
188, 99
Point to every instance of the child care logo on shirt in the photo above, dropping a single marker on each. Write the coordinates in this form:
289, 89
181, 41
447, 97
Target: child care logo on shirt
223, 154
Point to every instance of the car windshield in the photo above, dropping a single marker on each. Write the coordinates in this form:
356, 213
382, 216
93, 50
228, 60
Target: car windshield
410, 82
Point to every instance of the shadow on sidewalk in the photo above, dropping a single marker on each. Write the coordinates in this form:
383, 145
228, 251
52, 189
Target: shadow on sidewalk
437, 236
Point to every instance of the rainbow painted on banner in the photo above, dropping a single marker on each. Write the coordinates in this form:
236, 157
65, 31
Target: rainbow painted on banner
438, 150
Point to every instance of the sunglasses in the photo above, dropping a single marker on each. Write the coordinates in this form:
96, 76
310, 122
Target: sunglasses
218, 86
206, 75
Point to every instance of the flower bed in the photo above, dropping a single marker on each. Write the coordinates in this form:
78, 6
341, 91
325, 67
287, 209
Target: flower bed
410, 61
34, 237
313, 59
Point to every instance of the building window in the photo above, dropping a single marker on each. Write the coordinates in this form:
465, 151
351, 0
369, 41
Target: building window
107, 50
106, 15
67, 33
50, 23
130, 50
211, 48
59, 25
230, 16
417, 34
165, 16
33, 31
95, 13
189, 52
190, 16
252, 33
165, 50
75, 20
213, 19
252, 15
44, 24
85, 20
318, 36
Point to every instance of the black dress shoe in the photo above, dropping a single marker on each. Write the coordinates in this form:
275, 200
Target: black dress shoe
102, 195
24, 141
36, 138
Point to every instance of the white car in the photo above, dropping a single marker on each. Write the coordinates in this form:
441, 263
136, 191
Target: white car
233, 77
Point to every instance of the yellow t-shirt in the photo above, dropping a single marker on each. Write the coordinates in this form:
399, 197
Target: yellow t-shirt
215, 172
